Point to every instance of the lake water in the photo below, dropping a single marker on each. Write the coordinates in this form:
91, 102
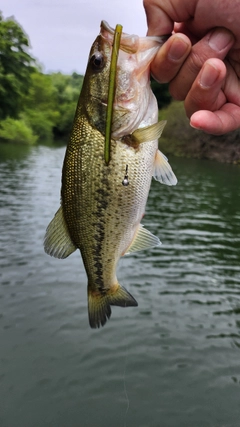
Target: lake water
173, 361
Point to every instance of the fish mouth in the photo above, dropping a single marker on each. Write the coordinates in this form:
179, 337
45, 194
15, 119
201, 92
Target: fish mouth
132, 80
106, 26
131, 43
135, 56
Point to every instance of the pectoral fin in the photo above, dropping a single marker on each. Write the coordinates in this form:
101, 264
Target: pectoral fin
163, 171
149, 133
57, 241
143, 239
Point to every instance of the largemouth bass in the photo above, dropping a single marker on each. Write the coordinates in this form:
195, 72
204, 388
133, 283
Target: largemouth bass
102, 204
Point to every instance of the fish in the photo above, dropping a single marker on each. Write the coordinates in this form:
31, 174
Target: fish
102, 204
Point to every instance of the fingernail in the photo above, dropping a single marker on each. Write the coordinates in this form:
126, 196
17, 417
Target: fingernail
208, 75
220, 38
177, 49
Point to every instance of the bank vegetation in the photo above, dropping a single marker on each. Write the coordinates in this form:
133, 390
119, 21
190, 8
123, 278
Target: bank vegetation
39, 108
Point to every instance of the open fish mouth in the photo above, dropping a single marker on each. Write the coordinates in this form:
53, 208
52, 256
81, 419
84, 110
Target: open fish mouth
142, 49
106, 26
131, 43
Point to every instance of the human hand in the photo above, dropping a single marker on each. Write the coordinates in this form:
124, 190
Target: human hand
206, 75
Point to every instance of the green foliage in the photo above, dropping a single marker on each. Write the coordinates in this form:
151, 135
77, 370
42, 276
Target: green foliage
41, 125
68, 90
177, 130
41, 106
162, 94
49, 106
16, 131
36, 106
42, 94
180, 139
16, 66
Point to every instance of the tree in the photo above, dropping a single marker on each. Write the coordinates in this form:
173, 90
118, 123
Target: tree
40, 106
68, 90
16, 66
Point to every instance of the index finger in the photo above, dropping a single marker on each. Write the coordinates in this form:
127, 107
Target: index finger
162, 14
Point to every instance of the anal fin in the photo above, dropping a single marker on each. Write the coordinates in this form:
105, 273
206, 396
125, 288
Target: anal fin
57, 240
143, 239
163, 171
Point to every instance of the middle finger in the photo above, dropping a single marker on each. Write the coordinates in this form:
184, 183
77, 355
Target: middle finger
215, 44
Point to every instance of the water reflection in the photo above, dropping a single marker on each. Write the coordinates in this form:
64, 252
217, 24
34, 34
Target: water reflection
181, 344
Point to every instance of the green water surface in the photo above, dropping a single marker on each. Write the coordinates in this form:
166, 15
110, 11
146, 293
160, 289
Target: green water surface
173, 361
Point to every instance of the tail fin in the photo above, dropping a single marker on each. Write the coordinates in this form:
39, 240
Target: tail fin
99, 310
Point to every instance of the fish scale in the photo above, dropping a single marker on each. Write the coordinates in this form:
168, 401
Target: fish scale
98, 214
98, 194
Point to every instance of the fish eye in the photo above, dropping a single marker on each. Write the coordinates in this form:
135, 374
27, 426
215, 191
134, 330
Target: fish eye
97, 61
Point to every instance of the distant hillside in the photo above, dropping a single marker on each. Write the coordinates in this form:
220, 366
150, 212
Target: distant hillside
180, 139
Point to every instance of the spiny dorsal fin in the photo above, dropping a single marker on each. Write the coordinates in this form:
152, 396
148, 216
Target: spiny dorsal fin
149, 133
57, 240
163, 171
143, 239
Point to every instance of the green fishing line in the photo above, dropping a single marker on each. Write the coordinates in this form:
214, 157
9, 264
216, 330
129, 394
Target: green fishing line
111, 91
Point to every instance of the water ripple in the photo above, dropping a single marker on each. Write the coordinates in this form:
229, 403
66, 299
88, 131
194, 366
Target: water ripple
176, 354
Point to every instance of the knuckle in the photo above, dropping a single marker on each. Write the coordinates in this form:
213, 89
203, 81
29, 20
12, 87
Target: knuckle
195, 62
147, 3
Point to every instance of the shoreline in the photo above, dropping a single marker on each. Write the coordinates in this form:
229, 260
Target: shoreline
180, 139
